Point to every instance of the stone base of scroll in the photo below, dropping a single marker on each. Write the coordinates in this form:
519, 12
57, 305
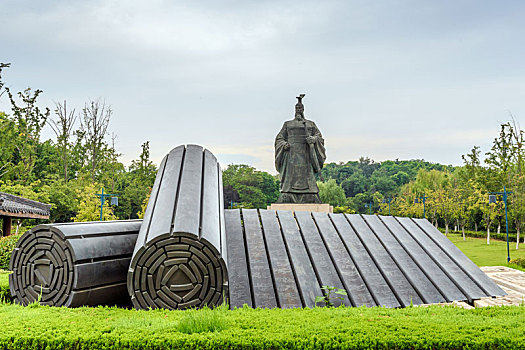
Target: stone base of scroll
313, 207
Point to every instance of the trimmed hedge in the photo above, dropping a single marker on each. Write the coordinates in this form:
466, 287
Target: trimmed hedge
432, 327
7, 244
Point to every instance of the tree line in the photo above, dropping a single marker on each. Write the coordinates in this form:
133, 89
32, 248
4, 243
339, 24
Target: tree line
69, 171
448, 196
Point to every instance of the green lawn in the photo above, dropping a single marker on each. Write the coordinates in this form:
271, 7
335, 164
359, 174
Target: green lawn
483, 254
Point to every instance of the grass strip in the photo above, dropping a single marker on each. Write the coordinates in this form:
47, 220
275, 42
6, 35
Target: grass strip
432, 327
483, 254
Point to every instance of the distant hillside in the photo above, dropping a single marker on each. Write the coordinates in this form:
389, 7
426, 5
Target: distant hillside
366, 176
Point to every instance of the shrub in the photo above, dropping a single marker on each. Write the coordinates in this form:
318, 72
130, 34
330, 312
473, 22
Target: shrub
7, 244
519, 262
5, 295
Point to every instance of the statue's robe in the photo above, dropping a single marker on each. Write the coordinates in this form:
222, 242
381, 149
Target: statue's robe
298, 164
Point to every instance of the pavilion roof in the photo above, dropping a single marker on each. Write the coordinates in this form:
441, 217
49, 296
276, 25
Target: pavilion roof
19, 207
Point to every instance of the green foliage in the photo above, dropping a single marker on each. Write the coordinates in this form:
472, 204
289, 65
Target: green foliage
331, 193
89, 206
329, 297
134, 186
144, 205
317, 328
5, 294
519, 262
7, 244
249, 187
344, 210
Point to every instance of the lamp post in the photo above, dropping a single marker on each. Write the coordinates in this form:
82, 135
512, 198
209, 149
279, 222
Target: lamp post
103, 196
369, 206
422, 198
492, 199
388, 200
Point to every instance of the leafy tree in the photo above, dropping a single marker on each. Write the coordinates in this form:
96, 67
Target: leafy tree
29, 119
330, 192
254, 189
136, 184
500, 157
354, 184
89, 206
8, 138
490, 213
142, 211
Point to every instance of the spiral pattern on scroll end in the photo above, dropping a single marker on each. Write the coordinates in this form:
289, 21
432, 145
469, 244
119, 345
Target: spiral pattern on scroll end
177, 272
42, 268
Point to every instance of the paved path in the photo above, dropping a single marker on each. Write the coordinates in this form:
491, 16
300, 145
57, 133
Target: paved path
510, 280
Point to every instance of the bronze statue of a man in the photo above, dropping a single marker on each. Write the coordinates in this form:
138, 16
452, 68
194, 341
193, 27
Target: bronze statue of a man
299, 154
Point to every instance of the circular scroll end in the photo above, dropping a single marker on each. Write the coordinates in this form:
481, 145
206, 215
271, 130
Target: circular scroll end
177, 272
42, 269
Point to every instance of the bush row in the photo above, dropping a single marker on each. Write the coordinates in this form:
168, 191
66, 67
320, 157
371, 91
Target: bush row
7, 244
434, 327
483, 234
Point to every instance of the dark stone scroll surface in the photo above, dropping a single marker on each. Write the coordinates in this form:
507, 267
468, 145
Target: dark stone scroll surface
262, 284
74, 264
378, 260
388, 267
409, 268
285, 286
178, 258
307, 281
320, 256
432, 270
353, 282
454, 272
239, 279
480, 278
368, 270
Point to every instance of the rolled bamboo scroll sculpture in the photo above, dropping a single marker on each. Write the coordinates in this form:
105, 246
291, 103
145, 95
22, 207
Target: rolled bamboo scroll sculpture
179, 257
74, 264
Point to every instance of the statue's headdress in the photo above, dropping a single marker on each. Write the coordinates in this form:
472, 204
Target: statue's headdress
300, 101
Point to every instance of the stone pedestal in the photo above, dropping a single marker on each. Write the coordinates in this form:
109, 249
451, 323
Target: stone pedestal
313, 207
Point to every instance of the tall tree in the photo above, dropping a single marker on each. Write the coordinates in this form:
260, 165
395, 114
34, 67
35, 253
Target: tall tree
63, 128
500, 157
29, 120
94, 124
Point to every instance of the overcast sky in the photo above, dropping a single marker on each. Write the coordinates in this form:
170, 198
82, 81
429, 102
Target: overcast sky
383, 79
